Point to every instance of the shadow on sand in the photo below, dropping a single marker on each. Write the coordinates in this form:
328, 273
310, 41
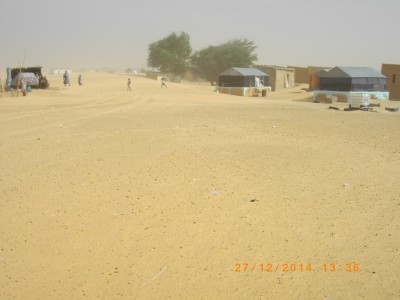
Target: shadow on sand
306, 99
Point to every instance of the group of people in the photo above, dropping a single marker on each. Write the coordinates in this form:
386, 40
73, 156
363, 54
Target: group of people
66, 79
163, 80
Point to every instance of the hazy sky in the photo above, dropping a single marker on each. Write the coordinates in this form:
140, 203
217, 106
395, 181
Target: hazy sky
95, 33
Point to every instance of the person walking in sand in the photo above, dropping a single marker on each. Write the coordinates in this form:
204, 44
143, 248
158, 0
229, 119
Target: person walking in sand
80, 79
66, 78
163, 82
129, 85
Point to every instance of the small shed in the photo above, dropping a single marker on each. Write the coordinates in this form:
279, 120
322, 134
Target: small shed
242, 77
280, 77
314, 79
355, 79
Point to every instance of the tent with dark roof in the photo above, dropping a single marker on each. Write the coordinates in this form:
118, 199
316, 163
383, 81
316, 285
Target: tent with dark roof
354, 79
242, 77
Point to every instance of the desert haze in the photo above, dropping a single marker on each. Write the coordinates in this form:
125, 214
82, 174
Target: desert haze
170, 193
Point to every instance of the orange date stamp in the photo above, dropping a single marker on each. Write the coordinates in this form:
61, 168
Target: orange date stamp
296, 267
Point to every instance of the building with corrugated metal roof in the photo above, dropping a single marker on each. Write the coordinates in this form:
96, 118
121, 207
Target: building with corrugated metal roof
353, 79
242, 77
356, 85
243, 81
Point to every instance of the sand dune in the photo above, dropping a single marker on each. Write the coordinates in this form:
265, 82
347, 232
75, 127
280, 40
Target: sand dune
159, 193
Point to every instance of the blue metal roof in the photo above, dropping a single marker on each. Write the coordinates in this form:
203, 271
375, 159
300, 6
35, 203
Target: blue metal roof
354, 72
243, 72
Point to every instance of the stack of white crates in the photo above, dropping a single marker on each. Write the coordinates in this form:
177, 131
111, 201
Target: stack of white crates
358, 99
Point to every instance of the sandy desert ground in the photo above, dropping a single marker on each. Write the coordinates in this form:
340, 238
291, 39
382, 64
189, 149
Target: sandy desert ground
161, 193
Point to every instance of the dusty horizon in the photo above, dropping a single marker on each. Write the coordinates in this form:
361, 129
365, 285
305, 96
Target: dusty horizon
117, 34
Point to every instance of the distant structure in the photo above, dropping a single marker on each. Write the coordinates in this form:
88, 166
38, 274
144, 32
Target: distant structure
190, 76
279, 77
354, 85
154, 74
243, 82
313, 70
392, 72
60, 71
314, 79
133, 70
303, 74
157, 75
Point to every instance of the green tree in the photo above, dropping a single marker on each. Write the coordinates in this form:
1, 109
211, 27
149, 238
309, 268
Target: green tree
171, 54
209, 62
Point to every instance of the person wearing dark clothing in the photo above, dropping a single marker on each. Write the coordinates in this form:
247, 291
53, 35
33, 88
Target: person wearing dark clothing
66, 78
163, 82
